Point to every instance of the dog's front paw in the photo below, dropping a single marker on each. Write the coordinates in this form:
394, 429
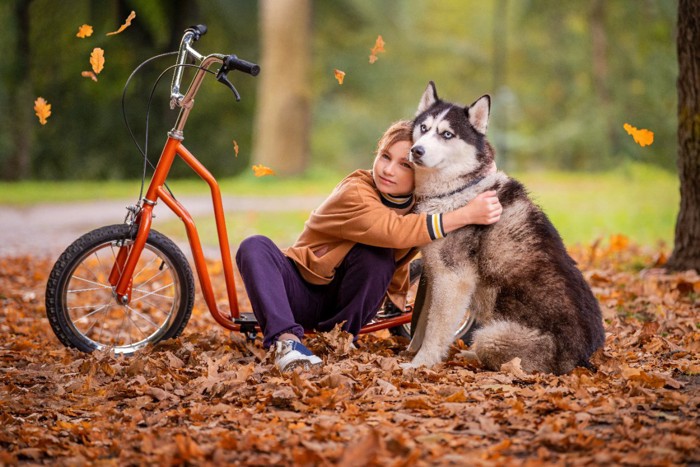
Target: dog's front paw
407, 366
420, 360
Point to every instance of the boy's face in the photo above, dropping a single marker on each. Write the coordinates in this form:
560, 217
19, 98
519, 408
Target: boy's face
392, 171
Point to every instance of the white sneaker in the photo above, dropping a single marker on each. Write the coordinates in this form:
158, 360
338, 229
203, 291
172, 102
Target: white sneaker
290, 354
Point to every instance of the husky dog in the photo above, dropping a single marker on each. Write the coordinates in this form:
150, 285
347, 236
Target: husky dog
529, 298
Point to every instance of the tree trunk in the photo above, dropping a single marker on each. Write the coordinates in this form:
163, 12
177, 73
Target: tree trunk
18, 164
686, 251
283, 119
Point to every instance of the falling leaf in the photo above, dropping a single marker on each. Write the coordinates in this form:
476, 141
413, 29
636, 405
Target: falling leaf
642, 137
235, 147
339, 75
618, 242
89, 74
378, 47
84, 31
97, 60
42, 109
261, 170
126, 24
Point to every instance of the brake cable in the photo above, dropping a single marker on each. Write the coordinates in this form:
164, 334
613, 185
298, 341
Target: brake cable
144, 150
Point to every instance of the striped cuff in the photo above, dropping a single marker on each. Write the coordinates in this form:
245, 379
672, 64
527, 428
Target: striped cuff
435, 229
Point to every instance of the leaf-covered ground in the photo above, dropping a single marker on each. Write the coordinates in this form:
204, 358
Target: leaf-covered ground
211, 398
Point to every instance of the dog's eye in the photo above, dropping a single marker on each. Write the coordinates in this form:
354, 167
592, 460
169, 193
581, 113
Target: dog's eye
447, 134
423, 128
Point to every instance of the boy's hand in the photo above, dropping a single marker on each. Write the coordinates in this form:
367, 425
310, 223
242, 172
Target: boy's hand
485, 209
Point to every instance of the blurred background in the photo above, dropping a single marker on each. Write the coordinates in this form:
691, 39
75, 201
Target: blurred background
564, 77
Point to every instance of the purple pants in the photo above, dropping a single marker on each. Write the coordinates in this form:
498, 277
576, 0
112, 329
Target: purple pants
283, 302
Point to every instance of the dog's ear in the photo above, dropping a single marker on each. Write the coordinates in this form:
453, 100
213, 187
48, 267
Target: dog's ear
429, 98
478, 113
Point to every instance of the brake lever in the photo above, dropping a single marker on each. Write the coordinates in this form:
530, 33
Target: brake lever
222, 77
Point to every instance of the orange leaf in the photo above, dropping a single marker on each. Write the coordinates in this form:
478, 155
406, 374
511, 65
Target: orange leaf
261, 170
235, 147
89, 74
339, 75
126, 24
97, 60
378, 47
84, 31
42, 109
642, 137
618, 242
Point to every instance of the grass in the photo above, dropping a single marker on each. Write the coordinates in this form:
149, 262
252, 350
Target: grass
638, 201
315, 182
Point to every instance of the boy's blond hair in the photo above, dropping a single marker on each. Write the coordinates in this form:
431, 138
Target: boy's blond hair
398, 131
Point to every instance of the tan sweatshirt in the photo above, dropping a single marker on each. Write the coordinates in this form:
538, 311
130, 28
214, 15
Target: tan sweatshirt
356, 212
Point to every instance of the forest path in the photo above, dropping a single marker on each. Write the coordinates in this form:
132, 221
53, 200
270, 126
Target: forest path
47, 229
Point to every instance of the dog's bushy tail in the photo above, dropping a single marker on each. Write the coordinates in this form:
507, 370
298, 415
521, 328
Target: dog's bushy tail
499, 342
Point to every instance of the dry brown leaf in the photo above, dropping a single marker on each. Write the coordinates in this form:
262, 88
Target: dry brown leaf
89, 74
42, 109
84, 31
378, 48
260, 170
97, 60
126, 24
642, 137
339, 75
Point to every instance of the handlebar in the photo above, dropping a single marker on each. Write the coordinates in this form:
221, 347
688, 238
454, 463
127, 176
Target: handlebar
234, 63
229, 62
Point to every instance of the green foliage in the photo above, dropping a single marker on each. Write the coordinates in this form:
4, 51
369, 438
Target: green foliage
534, 58
552, 106
86, 137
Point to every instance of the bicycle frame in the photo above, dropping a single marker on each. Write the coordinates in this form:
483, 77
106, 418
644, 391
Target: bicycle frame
127, 258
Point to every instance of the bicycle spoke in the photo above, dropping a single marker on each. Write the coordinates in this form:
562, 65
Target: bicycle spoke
89, 314
153, 292
161, 271
143, 317
144, 267
160, 308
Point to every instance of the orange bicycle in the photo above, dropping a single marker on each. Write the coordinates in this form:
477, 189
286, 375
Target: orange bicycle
122, 287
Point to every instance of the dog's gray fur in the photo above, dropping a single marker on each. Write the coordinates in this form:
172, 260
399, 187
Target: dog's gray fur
528, 295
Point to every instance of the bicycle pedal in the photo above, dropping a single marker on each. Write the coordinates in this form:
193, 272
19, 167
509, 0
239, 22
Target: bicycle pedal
246, 318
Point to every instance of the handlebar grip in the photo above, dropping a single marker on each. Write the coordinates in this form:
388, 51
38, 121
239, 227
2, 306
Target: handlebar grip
235, 63
199, 30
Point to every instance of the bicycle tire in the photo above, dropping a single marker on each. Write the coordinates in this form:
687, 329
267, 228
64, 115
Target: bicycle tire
465, 330
81, 304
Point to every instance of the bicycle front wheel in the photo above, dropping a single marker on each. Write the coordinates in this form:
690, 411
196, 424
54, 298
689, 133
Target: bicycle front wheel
81, 303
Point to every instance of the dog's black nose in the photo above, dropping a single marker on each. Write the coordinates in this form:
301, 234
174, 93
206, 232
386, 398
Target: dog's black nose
417, 152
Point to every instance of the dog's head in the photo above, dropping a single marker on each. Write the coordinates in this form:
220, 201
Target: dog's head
450, 138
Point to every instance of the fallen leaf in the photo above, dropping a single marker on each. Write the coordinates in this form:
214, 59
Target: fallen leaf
84, 31
235, 147
642, 137
261, 170
126, 24
97, 60
339, 75
378, 47
89, 74
42, 109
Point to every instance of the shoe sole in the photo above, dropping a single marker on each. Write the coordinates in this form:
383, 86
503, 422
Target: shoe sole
300, 363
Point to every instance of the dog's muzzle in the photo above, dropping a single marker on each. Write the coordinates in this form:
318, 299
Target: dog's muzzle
417, 152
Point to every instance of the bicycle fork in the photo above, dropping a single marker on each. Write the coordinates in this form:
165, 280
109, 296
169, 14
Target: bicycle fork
128, 256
